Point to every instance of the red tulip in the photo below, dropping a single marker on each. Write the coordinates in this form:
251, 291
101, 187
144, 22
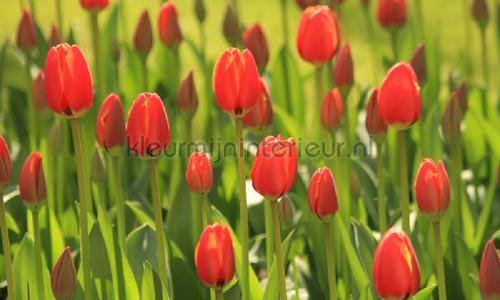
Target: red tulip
148, 130
418, 64
5, 164
399, 97
26, 32
392, 13
305, 3
318, 35
38, 91
374, 124
322, 194
489, 272
32, 180
168, 25
143, 36
231, 27
396, 273
199, 175
331, 111
94, 5
275, 166
480, 12
55, 36
261, 115
236, 81
214, 256
110, 124
68, 82
343, 72
187, 97
63, 277
432, 189
255, 40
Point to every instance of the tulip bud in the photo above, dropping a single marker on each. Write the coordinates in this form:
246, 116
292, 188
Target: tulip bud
98, 168
187, 97
480, 12
115, 52
5, 164
343, 72
94, 5
168, 25
26, 32
318, 35
63, 277
306, 3
331, 111
199, 175
399, 100
38, 91
419, 65
110, 124
375, 126
255, 40
32, 188
392, 13
214, 256
148, 129
286, 211
322, 194
432, 189
68, 83
231, 25
236, 81
200, 11
276, 158
261, 115
396, 273
489, 272
454, 113
55, 137
143, 36
365, 3
55, 36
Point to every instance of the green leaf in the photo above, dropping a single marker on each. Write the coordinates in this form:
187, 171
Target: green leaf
141, 247
424, 293
143, 215
151, 286
365, 244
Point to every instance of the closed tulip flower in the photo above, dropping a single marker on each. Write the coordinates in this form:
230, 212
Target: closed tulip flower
231, 27
489, 272
110, 125
26, 32
306, 3
5, 164
32, 181
432, 189
94, 5
454, 113
374, 124
68, 82
276, 159
392, 13
261, 115
187, 97
419, 65
399, 100
236, 82
200, 10
214, 256
38, 91
331, 111
480, 12
168, 25
148, 129
396, 273
318, 35
143, 36
322, 194
63, 277
55, 36
343, 76
199, 175
255, 41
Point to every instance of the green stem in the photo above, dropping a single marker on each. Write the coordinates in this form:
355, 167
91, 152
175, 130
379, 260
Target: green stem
284, 21
403, 176
316, 104
420, 19
330, 261
296, 286
484, 54
38, 253
124, 20
268, 214
33, 8
349, 148
382, 223
373, 42
467, 22
439, 261
144, 66
204, 210
277, 248
96, 43
160, 237
219, 294
7, 258
243, 208
120, 204
59, 16
31, 110
456, 158
84, 196
394, 44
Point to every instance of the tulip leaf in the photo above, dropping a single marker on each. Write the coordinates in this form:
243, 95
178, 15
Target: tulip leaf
365, 244
424, 293
141, 212
140, 247
151, 286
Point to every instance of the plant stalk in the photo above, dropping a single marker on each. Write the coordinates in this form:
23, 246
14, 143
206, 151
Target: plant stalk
486, 77
38, 253
31, 110
403, 176
268, 215
382, 223
144, 65
316, 104
99, 67
280, 267
7, 257
394, 44
204, 210
219, 294
330, 261
59, 16
120, 203
439, 261
456, 158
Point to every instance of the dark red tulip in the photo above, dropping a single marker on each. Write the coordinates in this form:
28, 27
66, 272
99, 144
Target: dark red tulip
94, 5
318, 35
489, 272
306, 3
110, 124
454, 113
200, 11
255, 41
322, 194
214, 256
55, 36
26, 32
168, 25
418, 64
432, 189
143, 36
231, 27
331, 111
148, 129
275, 167
32, 180
199, 175
480, 12
187, 97
261, 115
68, 82
343, 76
38, 92
365, 3
374, 124
5, 164
63, 277
399, 100
236, 81
392, 13
396, 273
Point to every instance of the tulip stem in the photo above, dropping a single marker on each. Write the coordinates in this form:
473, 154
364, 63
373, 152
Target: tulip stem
219, 294
381, 188
439, 261
349, 148
144, 65
332, 281
31, 110
420, 19
59, 16
456, 158
243, 208
403, 176
38, 252
268, 214
484, 54
296, 285
284, 19
96, 43
160, 237
394, 44
7, 258
277, 248
84, 195
315, 104
120, 204
204, 210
